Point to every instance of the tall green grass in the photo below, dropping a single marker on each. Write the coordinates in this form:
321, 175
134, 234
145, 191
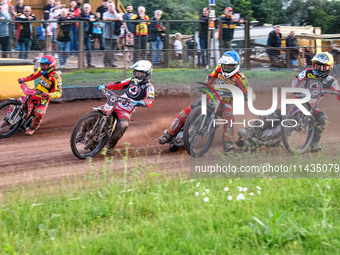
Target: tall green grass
143, 210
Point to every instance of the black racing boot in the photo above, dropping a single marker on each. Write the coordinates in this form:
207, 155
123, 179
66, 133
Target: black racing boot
165, 138
228, 146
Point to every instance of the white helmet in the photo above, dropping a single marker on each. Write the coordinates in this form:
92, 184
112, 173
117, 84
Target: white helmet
144, 66
230, 63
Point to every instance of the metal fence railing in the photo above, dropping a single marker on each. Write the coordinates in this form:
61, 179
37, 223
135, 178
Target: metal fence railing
119, 50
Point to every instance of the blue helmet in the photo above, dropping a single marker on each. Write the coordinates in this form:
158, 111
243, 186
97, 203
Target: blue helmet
48, 59
230, 63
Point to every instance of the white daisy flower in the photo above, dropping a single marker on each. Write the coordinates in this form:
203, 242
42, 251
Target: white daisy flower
230, 197
198, 184
197, 194
206, 199
226, 189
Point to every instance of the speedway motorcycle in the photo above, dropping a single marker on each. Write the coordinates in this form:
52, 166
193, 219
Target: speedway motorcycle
19, 115
93, 129
297, 132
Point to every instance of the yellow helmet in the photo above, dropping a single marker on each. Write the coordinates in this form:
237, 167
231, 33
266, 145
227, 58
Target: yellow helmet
322, 64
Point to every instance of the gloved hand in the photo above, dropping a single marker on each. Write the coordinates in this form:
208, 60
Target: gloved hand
138, 103
101, 87
45, 95
245, 97
20, 80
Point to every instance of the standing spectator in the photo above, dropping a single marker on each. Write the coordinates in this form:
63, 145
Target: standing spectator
97, 32
110, 38
87, 15
127, 16
308, 55
141, 34
74, 12
47, 9
19, 8
63, 36
25, 32
228, 24
103, 8
274, 40
156, 44
291, 42
336, 55
6, 6
178, 46
4, 32
203, 35
129, 28
79, 3
54, 15
191, 46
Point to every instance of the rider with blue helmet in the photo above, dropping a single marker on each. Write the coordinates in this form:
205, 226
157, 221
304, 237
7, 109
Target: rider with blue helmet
227, 72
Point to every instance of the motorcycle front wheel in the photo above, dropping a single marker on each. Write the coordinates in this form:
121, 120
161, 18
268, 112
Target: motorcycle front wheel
196, 136
8, 111
297, 130
90, 134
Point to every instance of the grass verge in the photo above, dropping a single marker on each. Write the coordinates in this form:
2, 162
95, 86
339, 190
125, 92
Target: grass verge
144, 211
95, 77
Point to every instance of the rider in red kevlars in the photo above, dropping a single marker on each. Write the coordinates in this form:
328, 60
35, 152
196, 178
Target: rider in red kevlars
49, 87
139, 89
227, 72
317, 77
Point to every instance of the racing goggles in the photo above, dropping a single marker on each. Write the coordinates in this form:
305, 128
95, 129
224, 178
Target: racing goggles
229, 67
321, 68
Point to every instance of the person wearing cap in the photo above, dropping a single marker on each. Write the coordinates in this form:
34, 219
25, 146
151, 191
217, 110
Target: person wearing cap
227, 27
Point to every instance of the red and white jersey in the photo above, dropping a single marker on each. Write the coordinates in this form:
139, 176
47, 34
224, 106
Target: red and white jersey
137, 92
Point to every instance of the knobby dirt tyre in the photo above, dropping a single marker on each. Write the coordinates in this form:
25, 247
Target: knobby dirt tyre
8, 130
82, 134
191, 132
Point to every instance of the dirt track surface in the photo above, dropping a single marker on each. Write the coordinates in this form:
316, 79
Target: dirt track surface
47, 154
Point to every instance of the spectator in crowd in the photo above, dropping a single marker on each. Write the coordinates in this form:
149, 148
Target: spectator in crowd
178, 46
25, 32
87, 15
227, 27
6, 6
54, 15
156, 28
74, 12
140, 34
63, 36
103, 8
110, 38
203, 35
79, 3
129, 28
308, 54
274, 40
47, 10
191, 46
4, 32
335, 51
19, 8
291, 42
97, 32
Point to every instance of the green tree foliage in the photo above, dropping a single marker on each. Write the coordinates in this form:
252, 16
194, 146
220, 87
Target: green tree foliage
320, 13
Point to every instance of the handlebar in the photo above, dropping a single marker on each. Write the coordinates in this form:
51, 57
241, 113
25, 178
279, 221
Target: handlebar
115, 98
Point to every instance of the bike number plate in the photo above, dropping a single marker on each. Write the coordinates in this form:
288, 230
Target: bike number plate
108, 108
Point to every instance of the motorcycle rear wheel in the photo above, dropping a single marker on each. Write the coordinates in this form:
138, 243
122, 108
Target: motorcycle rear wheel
86, 141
